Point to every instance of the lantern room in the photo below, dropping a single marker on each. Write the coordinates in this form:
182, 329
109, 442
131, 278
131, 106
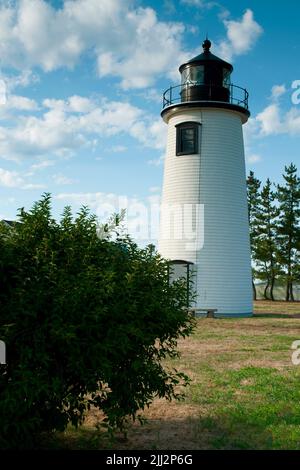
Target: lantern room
206, 77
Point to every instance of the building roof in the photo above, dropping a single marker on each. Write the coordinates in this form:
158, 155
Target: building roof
10, 223
206, 57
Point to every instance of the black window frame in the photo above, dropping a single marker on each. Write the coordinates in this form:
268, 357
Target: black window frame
189, 275
179, 137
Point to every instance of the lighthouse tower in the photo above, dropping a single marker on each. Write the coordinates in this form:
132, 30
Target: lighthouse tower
204, 216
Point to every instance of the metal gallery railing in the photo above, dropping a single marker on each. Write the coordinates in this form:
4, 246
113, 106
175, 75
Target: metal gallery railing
177, 94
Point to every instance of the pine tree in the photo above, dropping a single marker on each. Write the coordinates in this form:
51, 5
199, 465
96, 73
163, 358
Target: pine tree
289, 229
266, 246
253, 185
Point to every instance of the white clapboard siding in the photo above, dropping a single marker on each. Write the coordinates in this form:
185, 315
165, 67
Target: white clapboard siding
215, 178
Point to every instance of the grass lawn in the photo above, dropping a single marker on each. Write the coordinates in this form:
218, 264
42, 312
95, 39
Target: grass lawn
244, 394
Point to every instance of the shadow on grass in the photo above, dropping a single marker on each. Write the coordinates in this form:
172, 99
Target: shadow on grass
240, 430
274, 315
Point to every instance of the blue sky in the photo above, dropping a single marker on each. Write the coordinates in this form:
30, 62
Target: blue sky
83, 79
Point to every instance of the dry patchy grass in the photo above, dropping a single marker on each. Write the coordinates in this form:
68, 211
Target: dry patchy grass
276, 307
244, 392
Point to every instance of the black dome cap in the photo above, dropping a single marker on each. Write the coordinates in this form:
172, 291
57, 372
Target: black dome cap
206, 57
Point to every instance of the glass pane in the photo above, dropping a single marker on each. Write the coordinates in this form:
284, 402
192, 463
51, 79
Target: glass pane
226, 78
188, 134
188, 146
184, 76
200, 74
193, 75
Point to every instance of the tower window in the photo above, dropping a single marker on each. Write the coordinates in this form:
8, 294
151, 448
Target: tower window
187, 141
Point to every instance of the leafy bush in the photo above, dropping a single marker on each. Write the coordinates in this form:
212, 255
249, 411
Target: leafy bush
86, 321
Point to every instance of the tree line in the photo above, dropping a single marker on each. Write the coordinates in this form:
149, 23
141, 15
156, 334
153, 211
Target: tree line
274, 220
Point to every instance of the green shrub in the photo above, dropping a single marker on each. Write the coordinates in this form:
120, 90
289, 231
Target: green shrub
86, 321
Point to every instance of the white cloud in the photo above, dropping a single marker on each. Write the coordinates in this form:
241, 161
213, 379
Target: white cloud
110, 118
274, 120
14, 106
52, 103
10, 179
291, 121
154, 199
251, 130
41, 165
253, 158
157, 161
128, 42
80, 104
52, 132
196, 3
64, 126
277, 91
74, 104
200, 3
13, 179
151, 94
151, 134
117, 149
20, 80
154, 189
33, 186
241, 36
62, 180
45, 36
21, 103
149, 54
269, 120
